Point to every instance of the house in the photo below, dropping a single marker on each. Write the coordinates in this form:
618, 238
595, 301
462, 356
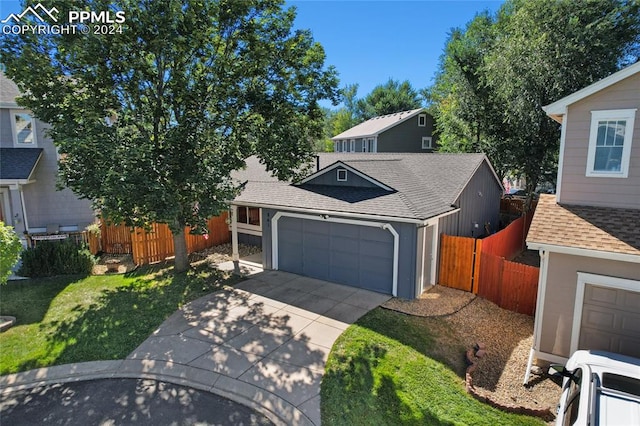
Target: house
368, 220
29, 200
406, 131
588, 233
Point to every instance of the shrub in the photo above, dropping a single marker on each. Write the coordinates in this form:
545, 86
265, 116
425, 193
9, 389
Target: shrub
10, 248
56, 258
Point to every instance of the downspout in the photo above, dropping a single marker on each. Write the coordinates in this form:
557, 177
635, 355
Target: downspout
396, 259
24, 209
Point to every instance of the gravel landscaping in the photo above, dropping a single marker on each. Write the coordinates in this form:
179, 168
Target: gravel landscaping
507, 336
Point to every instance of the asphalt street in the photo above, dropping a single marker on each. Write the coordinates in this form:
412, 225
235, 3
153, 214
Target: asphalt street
122, 402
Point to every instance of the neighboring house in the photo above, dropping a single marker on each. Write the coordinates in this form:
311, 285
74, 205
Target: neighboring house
29, 200
406, 131
368, 220
588, 234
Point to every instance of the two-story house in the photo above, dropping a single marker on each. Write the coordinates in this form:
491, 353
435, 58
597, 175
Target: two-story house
406, 131
29, 200
588, 233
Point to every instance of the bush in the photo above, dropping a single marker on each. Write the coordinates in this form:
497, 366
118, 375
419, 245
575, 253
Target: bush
56, 258
10, 248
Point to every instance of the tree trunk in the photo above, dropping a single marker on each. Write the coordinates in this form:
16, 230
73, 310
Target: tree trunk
180, 250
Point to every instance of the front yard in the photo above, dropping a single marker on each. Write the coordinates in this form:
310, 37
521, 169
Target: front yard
70, 319
401, 369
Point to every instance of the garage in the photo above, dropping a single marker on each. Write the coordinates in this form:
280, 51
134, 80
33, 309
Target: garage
340, 251
610, 320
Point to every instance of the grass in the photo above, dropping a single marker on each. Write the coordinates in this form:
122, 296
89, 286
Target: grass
390, 369
70, 319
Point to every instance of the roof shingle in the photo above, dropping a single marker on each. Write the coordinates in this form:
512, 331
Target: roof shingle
426, 185
586, 227
18, 163
376, 125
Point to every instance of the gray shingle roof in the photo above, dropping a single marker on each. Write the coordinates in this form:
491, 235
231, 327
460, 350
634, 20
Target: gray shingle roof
18, 163
376, 125
426, 185
8, 90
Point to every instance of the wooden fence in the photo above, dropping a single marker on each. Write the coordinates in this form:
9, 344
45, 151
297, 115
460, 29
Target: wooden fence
156, 244
458, 261
480, 266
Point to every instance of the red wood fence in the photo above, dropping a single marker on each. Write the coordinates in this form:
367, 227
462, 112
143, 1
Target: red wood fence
480, 266
156, 244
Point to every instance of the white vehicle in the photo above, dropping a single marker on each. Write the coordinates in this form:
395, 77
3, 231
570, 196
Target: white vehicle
599, 388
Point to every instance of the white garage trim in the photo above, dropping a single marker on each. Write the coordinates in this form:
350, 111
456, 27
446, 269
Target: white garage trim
327, 218
600, 281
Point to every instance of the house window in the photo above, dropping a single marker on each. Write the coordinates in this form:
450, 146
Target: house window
342, 175
23, 126
352, 147
422, 120
610, 143
336, 146
369, 145
426, 142
344, 146
248, 216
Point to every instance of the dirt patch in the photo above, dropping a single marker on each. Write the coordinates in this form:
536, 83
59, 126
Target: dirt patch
213, 255
507, 336
125, 264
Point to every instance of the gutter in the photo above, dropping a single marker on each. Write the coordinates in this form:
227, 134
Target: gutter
420, 222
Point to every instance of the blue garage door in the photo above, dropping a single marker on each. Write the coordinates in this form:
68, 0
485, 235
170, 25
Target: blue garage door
359, 256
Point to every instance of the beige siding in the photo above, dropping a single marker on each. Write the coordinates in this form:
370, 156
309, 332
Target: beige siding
560, 295
576, 187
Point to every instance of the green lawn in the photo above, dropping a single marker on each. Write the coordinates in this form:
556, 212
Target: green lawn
390, 369
73, 319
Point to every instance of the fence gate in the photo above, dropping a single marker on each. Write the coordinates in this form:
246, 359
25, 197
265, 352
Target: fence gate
457, 261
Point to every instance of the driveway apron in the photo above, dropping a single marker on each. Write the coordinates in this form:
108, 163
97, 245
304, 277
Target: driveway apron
264, 342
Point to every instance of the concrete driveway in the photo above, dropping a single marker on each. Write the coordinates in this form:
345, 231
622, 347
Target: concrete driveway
263, 343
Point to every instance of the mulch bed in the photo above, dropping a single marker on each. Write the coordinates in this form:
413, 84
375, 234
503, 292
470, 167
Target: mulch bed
507, 337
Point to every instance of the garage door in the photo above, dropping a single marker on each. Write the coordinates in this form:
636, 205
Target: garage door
610, 320
360, 256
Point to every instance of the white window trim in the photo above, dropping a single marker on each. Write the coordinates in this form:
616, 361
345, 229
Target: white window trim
618, 114
344, 145
364, 144
374, 144
422, 118
344, 175
14, 132
352, 147
336, 146
428, 139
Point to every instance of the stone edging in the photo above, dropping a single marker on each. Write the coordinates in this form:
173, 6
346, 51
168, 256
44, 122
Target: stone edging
471, 357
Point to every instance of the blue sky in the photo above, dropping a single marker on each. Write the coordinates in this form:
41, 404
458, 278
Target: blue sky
371, 41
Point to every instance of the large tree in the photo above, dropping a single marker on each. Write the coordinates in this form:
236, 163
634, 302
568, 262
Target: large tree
497, 73
546, 50
388, 98
151, 122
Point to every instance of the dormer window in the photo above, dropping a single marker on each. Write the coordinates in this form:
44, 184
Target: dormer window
610, 143
24, 129
422, 120
342, 175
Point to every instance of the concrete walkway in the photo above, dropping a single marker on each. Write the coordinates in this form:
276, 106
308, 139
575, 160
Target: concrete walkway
263, 344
